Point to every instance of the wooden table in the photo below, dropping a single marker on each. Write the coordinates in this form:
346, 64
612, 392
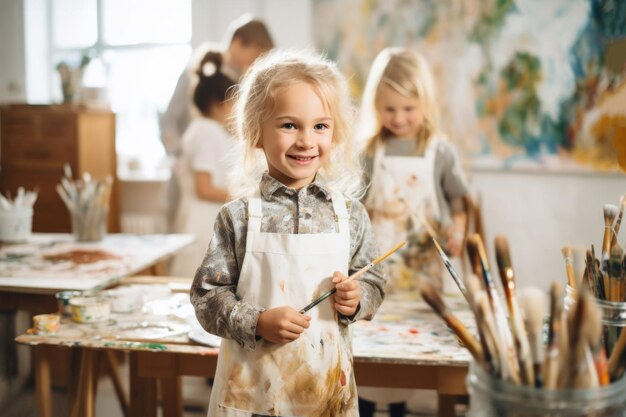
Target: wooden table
32, 272
406, 346
48, 263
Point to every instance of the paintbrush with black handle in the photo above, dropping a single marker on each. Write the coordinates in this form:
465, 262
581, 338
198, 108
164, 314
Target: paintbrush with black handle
355, 275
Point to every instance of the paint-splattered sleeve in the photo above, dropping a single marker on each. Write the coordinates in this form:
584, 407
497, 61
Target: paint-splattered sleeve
213, 296
363, 249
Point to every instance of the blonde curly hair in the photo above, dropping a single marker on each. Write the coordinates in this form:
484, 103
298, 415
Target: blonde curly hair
255, 100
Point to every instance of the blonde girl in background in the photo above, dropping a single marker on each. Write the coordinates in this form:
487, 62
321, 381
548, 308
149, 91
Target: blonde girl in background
202, 169
295, 232
416, 184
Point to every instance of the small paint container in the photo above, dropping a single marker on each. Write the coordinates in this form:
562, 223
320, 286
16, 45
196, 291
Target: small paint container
46, 323
63, 301
125, 299
90, 309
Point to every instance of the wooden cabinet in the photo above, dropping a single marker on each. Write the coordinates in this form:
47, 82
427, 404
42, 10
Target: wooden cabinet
37, 140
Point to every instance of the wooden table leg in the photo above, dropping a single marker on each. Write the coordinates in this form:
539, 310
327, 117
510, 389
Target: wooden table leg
42, 382
171, 396
445, 405
83, 401
112, 366
142, 392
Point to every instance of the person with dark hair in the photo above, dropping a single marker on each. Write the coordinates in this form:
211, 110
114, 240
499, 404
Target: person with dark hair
201, 168
246, 39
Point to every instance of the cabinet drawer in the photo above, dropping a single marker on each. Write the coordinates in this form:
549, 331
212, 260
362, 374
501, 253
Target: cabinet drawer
38, 138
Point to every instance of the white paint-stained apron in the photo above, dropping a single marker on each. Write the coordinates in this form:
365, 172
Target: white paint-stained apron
403, 191
313, 375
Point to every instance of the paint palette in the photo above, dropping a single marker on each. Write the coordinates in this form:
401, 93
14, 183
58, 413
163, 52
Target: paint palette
149, 331
204, 338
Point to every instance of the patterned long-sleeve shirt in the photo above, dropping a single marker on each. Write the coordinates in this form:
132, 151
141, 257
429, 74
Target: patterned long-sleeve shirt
285, 210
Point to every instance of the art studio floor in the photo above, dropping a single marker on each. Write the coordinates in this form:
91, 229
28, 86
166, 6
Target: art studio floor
196, 394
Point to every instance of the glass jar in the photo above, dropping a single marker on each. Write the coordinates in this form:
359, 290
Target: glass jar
613, 317
492, 397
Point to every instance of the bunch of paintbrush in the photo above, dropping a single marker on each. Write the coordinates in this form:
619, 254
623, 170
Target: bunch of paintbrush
606, 278
510, 341
87, 201
23, 200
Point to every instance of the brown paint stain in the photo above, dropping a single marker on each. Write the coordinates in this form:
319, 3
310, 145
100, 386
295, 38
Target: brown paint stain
79, 256
281, 284
303, 390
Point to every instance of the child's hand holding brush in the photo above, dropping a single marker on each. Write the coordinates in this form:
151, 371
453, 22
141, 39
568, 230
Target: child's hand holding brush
348, 294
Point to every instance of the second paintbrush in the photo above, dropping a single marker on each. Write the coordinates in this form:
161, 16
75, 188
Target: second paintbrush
353, 276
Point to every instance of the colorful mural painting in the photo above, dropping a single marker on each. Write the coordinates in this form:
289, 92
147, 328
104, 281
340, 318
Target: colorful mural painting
522, 83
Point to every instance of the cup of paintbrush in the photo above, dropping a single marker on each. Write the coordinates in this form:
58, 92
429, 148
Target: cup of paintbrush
355, 275
507, 278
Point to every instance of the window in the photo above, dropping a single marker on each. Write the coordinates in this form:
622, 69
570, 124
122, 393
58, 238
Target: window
136, 49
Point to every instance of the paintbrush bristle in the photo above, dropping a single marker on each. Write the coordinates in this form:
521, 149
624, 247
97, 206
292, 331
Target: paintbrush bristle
534, 305
567, 252
433, 298
503, 259
503, 255
610, 211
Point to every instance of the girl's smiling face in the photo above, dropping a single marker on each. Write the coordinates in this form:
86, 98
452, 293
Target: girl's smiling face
297, 137
400, 114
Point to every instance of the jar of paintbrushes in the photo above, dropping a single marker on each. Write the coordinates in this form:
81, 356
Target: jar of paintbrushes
516, 370
606, 279
16, 216
87, 200
490, 397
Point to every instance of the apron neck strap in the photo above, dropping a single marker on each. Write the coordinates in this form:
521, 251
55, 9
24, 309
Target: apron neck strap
341, 212
255, 213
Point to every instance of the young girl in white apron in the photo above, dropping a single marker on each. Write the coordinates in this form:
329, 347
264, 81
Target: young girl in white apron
292, 236
200, 169
417, 187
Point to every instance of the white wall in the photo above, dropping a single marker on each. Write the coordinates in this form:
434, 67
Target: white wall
539, 213
12, 68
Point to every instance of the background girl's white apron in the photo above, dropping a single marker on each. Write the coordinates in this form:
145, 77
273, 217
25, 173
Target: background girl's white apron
402, 193
195, 215
313, 375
